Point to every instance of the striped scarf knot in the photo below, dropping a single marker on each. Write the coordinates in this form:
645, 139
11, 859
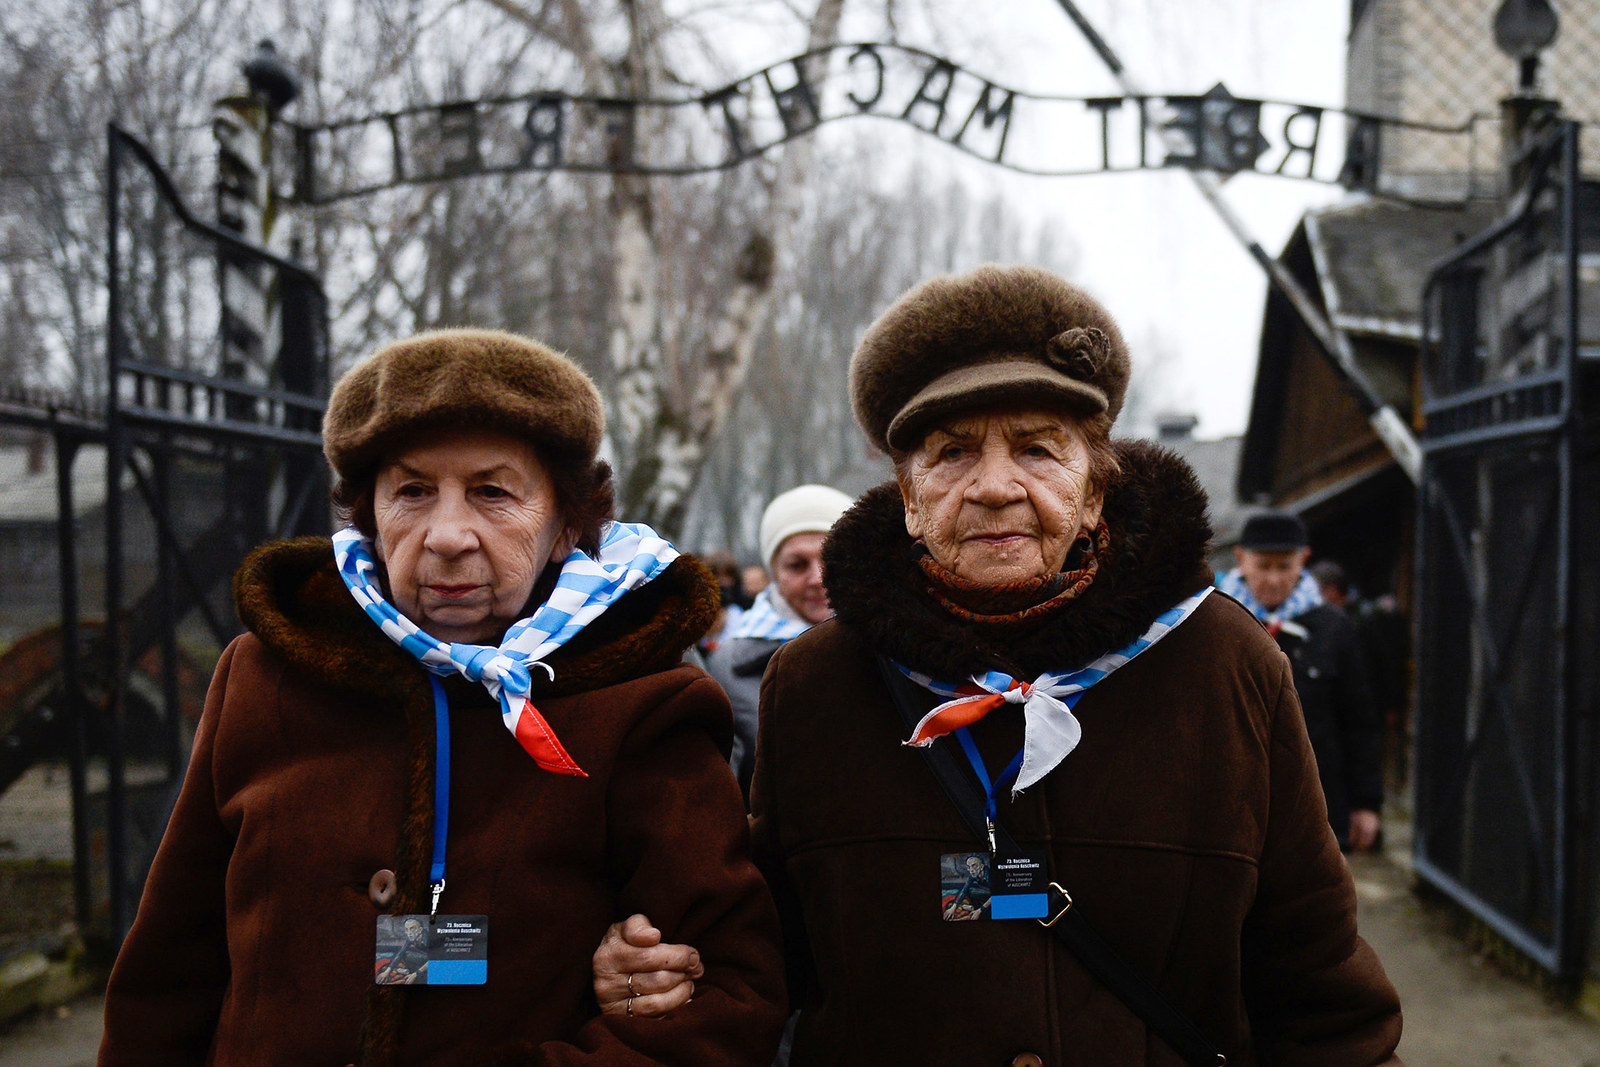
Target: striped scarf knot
630, 555
1051, 730
480, 663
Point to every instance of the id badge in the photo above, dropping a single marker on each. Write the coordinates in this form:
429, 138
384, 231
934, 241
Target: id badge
1020, 886
432, 950
974, 885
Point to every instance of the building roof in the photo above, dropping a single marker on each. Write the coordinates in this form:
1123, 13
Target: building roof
1366, 261
1373, 258
1216, 464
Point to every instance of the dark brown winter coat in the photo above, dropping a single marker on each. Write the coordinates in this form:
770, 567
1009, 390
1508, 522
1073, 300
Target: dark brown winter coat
313, 770
1188, 825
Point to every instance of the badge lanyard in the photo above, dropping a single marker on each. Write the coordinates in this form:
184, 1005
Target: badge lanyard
441, 790
1005, 777
455, 948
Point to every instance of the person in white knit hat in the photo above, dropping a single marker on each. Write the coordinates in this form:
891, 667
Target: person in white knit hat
792, 531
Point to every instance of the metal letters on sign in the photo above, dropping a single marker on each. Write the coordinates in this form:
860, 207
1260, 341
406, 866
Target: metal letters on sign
1030, 133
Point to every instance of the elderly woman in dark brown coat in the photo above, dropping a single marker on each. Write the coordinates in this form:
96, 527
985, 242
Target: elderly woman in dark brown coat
455, 745
1029, 691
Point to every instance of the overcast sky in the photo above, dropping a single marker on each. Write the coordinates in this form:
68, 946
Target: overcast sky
1188, 296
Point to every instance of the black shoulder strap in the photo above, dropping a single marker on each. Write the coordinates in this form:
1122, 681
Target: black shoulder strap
1069, 924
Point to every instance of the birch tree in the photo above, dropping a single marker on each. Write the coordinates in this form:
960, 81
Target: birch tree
661, 286
671, 387
858, 247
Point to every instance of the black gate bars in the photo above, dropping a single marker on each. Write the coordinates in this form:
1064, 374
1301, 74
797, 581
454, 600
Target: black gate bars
1504, 766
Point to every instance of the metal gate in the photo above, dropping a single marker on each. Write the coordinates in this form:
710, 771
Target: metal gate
1500, 761
219, 457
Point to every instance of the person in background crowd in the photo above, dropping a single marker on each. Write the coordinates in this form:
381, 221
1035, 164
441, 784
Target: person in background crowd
792, 531
1027, 606
1331, 583
455, 744
1385, 639
752, 580
725, 569
1330, 672
731, 599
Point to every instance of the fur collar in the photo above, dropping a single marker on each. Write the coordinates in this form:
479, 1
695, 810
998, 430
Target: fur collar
1156, 511
290, 597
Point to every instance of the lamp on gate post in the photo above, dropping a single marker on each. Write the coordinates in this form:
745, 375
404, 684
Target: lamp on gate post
1522, 30
271, 78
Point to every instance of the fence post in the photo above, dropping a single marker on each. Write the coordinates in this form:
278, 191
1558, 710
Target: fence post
116, 458
76, 709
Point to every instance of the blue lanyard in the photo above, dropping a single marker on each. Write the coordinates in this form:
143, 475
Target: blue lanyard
441, 788
990, 806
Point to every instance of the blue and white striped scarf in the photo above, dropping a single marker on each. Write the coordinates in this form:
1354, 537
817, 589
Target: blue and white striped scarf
1307, 594
762, 620
630, 555
1051, 730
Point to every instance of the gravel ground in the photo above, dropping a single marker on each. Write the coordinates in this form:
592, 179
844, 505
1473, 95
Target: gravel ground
68, 1036
1461, 1008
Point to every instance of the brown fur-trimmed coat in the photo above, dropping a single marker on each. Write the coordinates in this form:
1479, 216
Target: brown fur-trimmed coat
313, 769
1188, 825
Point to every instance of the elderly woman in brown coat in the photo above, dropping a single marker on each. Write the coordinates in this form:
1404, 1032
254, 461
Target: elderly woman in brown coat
1031, 709
455, 744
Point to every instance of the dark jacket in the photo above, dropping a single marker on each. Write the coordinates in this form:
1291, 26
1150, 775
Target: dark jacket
738, 665
1330, 676
1187, 825
313, 769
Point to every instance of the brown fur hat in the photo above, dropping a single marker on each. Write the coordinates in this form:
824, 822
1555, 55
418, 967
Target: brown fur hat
457, 379
999, 334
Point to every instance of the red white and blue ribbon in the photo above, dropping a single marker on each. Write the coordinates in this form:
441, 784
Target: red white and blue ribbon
630, 555
1051, 731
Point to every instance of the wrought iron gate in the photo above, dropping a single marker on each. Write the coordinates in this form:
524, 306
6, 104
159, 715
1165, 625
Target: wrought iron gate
216, 463
1501, 762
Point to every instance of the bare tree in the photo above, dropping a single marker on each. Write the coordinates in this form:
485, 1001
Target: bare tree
859, 246
673, 292
672, 387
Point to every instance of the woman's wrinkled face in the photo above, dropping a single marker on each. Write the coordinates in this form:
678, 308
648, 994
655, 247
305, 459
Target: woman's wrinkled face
1000, 496
466, 524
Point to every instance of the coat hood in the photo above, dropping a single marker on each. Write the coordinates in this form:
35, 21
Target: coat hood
289, 595
1156, 512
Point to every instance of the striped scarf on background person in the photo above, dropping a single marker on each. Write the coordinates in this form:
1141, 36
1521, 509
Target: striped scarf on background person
1051, 731
765, 620
1307, 594
630, 555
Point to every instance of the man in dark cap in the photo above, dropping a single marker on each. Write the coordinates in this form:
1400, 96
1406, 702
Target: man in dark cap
1329, 672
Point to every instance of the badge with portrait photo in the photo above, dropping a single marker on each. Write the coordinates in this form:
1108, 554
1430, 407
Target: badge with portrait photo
974, 885
964, 886
432, 950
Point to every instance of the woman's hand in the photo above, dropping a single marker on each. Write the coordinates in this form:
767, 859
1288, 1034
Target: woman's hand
1364, 827
635, 974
